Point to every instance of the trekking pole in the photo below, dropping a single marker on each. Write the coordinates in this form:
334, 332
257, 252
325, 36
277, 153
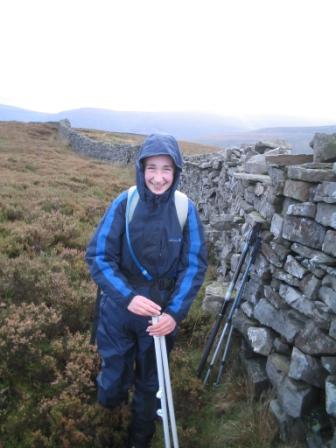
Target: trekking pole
234, 306
212, 336
165, 391
233, 309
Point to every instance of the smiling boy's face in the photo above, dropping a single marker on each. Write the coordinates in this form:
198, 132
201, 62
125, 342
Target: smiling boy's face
159, 173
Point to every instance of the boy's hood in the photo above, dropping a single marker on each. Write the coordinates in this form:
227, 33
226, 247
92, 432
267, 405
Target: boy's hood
157, 145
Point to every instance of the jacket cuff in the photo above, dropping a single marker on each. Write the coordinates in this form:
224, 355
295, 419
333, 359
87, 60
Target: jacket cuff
123, 302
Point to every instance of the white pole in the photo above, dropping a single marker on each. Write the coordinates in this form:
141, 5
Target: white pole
161, 394
169, 392
165, 390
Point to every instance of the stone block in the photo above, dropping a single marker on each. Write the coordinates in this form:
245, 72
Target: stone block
330, 390
259, 189
264, 146
291, 430
314, 256
288, 159
287, 202
310, 308
313, 341
332, 329
307, 209
324, 147
254, 218
271, 255
249, 196
306, 368
328, 296
222, 222
310, 285
326, 192
261, 340
277, 368
247, 309
253, 290
242, 323
285, 322
330, 281
253, 178
281, 347
256, 373
262, 268
256, 165
234, 261
293, 267
285, 277
329, 363
277, 225
274, 297
312, 172
329, 243
281, 247
266, 207
326, 214
296, 397
315, 270
214, 296
278, 178
297, 190
304, 231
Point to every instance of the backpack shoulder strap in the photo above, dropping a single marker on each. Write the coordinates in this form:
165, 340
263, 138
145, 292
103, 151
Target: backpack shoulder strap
132, 201
181, 204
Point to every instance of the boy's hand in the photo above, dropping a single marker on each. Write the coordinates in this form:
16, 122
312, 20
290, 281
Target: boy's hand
166, 325
144, 307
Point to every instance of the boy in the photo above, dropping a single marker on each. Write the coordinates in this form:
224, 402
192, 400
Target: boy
174, 261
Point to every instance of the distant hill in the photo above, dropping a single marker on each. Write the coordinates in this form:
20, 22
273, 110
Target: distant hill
298, 137
199, 127
183, 125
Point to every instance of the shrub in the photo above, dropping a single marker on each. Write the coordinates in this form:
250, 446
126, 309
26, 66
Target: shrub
48, 230
24, 332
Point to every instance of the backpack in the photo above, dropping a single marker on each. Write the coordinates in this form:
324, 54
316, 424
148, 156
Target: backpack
181, 204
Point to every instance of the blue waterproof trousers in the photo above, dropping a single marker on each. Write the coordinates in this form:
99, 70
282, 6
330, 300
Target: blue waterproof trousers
128, 358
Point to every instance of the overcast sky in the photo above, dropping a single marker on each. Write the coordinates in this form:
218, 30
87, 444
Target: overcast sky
232, 57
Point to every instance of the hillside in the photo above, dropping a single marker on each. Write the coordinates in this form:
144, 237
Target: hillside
50, 202
299, 137
206, 128
188, 148
183, 125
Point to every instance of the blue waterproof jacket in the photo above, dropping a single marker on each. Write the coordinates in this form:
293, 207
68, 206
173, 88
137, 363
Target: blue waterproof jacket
157, 239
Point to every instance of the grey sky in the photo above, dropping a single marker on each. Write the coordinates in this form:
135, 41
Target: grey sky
227, 56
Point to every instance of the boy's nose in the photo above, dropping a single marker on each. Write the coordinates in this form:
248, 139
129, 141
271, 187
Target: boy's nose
158, 177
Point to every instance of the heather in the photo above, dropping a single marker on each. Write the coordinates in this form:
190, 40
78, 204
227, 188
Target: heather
50, 202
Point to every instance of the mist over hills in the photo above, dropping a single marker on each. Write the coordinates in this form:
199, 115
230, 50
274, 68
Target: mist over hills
193, 126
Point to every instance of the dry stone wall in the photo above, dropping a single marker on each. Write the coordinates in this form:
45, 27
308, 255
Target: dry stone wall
119, 154
287, 318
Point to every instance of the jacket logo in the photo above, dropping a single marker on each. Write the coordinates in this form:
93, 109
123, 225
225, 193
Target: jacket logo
174, 240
